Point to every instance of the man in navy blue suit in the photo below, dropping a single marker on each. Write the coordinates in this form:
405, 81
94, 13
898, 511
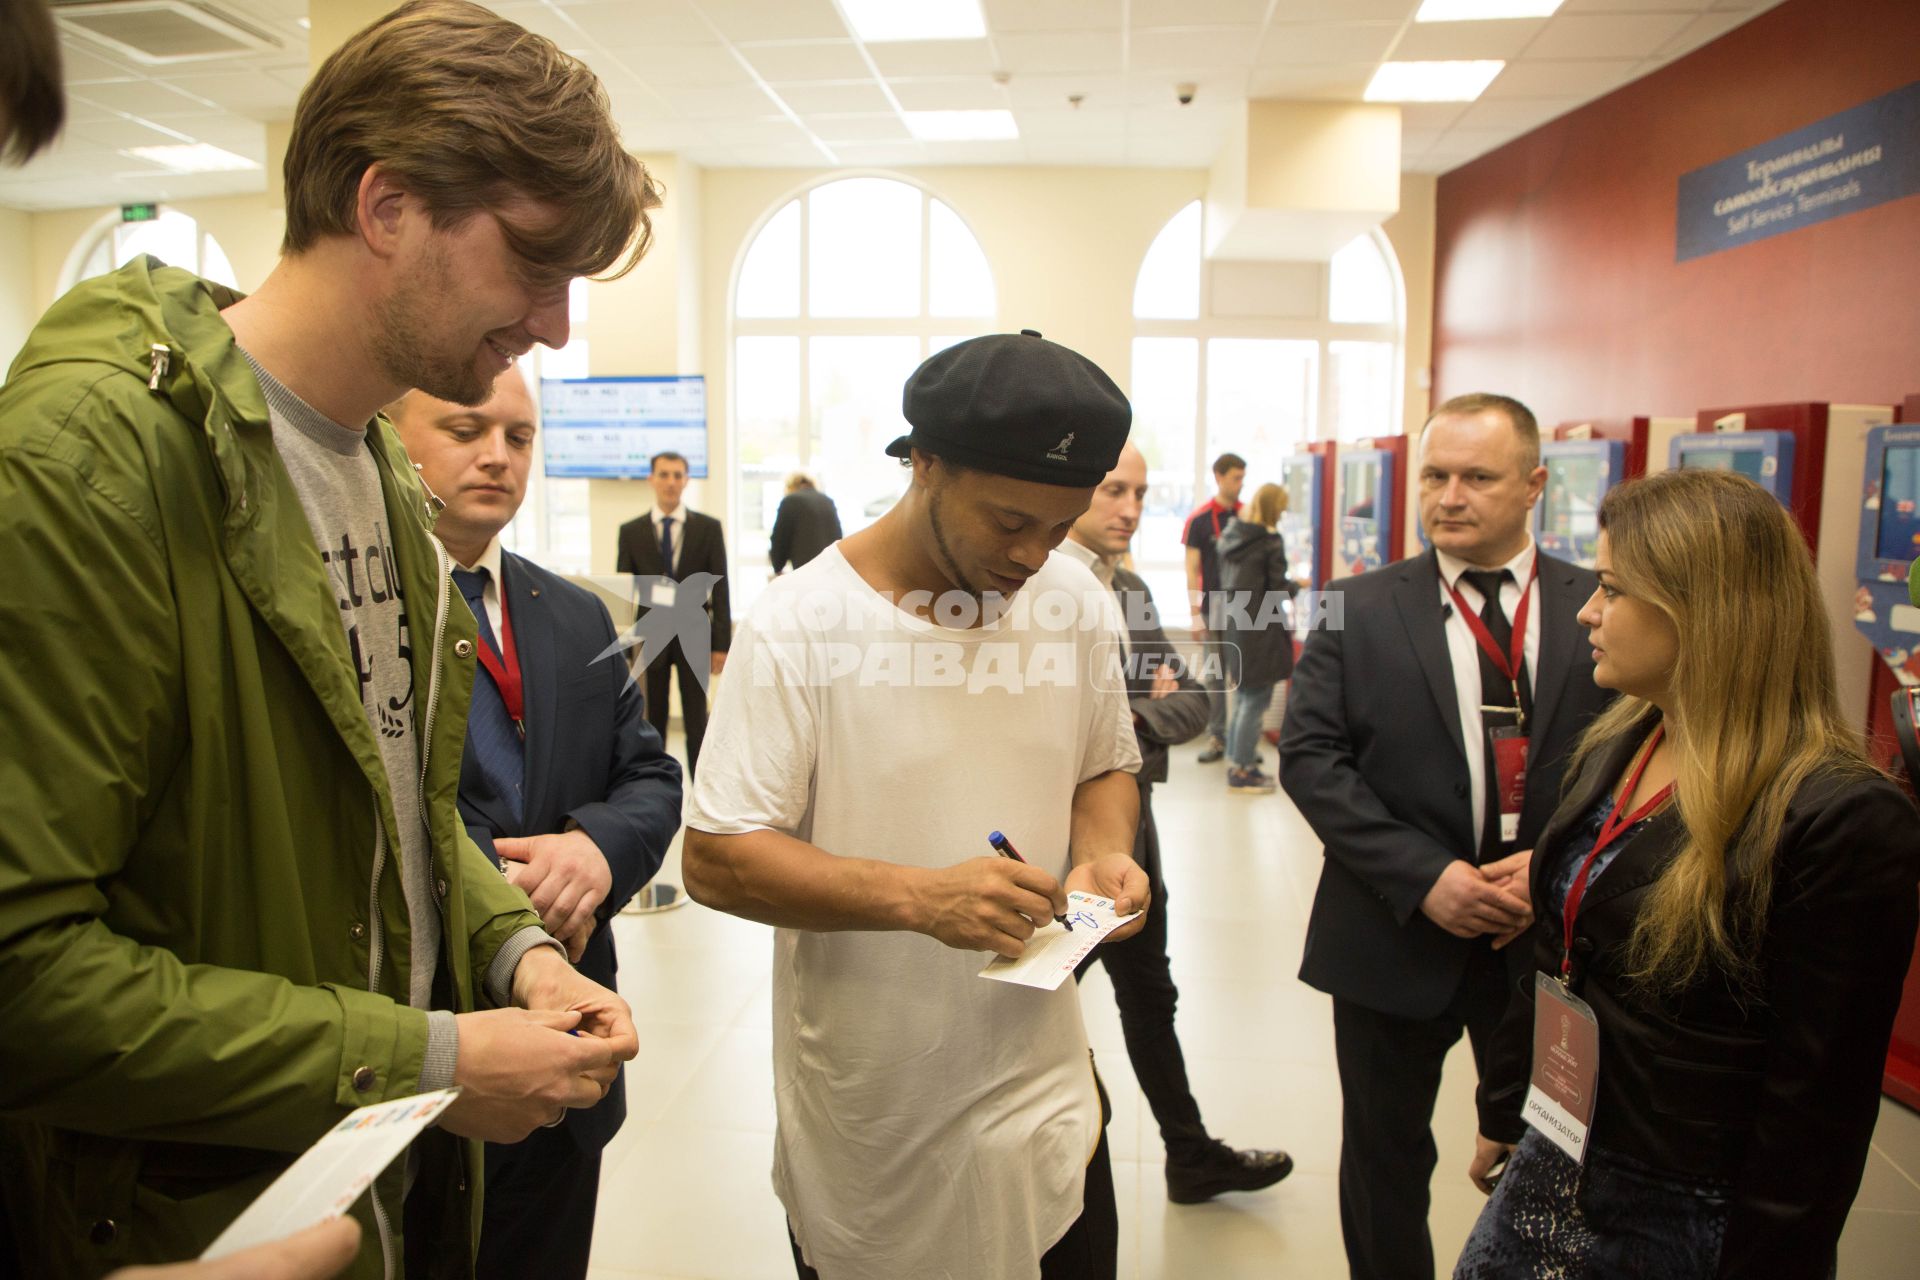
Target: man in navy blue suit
564, 785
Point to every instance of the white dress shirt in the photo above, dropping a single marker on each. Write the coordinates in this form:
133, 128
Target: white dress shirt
1102, 567
679, 517
1465, 655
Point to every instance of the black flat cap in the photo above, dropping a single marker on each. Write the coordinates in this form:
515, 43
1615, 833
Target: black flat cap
1017, 405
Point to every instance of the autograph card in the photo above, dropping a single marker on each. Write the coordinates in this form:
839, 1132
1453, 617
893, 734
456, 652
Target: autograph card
1053, 952
325, 1181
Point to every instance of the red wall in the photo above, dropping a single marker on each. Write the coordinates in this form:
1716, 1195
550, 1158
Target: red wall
1555, 278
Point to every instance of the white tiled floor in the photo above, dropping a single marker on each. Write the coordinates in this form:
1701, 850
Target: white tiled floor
685, 1191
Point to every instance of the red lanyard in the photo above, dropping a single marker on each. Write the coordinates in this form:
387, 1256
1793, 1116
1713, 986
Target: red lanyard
1508, 665
506, 675
1609, 832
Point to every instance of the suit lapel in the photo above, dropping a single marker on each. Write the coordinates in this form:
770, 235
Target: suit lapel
1419, 606
1559, 640
533, 639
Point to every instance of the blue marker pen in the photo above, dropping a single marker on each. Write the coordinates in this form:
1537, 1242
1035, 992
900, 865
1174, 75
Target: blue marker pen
1004, 847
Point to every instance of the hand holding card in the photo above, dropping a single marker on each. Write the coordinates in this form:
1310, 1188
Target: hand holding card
333, 1173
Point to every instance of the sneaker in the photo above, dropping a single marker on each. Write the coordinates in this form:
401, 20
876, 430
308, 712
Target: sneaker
1249, 781
1224, 1169
1216, 750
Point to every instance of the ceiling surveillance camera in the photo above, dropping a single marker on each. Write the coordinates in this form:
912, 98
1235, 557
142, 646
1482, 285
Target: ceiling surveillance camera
1184, 92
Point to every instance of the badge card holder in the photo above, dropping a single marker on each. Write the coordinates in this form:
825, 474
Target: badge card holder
1566, 1066
1510, 778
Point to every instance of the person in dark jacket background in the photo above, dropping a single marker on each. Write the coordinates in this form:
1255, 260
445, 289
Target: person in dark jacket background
1169, 708
806, 524
1259, 645
1740, 940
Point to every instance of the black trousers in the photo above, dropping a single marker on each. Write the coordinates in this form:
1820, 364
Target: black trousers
1389, 1077
1091, 1248
693, 699
1142, 977
539, 1210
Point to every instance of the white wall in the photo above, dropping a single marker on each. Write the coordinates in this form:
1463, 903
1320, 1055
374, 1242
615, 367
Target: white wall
19, 304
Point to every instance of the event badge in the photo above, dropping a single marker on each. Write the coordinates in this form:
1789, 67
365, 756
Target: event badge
660, 594
1510, 779
1566, 1066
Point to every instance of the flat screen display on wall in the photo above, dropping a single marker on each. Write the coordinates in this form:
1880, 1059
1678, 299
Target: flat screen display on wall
611, 428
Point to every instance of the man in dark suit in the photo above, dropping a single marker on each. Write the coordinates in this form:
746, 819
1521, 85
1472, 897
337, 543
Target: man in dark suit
1169, 708
806, 524
563, 784
1398, 748
676, 543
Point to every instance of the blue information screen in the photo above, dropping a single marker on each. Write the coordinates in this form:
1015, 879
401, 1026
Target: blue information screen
1899, 533
1748, 462
611, 428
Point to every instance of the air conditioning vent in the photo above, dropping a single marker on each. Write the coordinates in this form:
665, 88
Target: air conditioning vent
162, 32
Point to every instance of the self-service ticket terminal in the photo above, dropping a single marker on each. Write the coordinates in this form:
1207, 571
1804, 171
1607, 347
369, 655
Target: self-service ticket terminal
1765, 457
1810, 456
1369, 498
1308, 477
1566, 520
1889, 542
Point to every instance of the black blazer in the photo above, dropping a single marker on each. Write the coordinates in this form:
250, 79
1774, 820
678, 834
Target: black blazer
591, 758
806, 524
702, 549
1777, 1091
1370, 751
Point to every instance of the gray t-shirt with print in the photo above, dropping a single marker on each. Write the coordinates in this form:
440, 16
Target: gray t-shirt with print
338, 481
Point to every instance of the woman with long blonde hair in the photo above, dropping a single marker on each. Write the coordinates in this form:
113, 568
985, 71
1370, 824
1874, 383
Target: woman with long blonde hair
1728, 890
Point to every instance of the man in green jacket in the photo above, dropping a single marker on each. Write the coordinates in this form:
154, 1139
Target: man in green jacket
236, 898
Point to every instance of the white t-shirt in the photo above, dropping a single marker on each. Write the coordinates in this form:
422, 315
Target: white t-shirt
931, 1124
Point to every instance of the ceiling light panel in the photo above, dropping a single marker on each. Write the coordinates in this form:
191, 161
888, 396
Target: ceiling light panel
1432, 81
961, 126
884, 21
1483, 10
194, 157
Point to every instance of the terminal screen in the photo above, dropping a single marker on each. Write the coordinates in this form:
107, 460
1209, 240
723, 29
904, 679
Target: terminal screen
1570, 507
1359, 488
1300, 489
1899, 533
1748, 462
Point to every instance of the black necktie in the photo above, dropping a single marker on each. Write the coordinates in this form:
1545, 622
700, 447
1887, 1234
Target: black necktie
1495, 691
491, 737
666, 544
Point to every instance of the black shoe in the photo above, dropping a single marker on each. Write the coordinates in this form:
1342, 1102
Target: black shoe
1216, 750
1224, 1169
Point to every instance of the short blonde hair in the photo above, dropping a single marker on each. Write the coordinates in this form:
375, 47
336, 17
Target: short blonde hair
468, 110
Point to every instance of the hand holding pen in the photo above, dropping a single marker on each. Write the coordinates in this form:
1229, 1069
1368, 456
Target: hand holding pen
1004, 847
993, 903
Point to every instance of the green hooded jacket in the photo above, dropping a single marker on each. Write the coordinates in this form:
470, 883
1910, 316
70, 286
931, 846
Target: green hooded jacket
198, 974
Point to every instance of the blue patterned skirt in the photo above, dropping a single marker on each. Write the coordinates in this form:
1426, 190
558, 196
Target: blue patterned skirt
1550, 1219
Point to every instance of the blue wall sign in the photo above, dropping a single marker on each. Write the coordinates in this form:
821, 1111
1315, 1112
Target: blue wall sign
1845, 163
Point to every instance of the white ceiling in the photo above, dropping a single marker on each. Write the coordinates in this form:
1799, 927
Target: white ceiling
774, 83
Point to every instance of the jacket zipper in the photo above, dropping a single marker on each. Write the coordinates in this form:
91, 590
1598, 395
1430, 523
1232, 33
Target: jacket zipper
376, 957
433, 674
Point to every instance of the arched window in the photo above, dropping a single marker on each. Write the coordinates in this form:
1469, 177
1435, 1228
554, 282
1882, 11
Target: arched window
844, 290
1252, 358
174, 237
